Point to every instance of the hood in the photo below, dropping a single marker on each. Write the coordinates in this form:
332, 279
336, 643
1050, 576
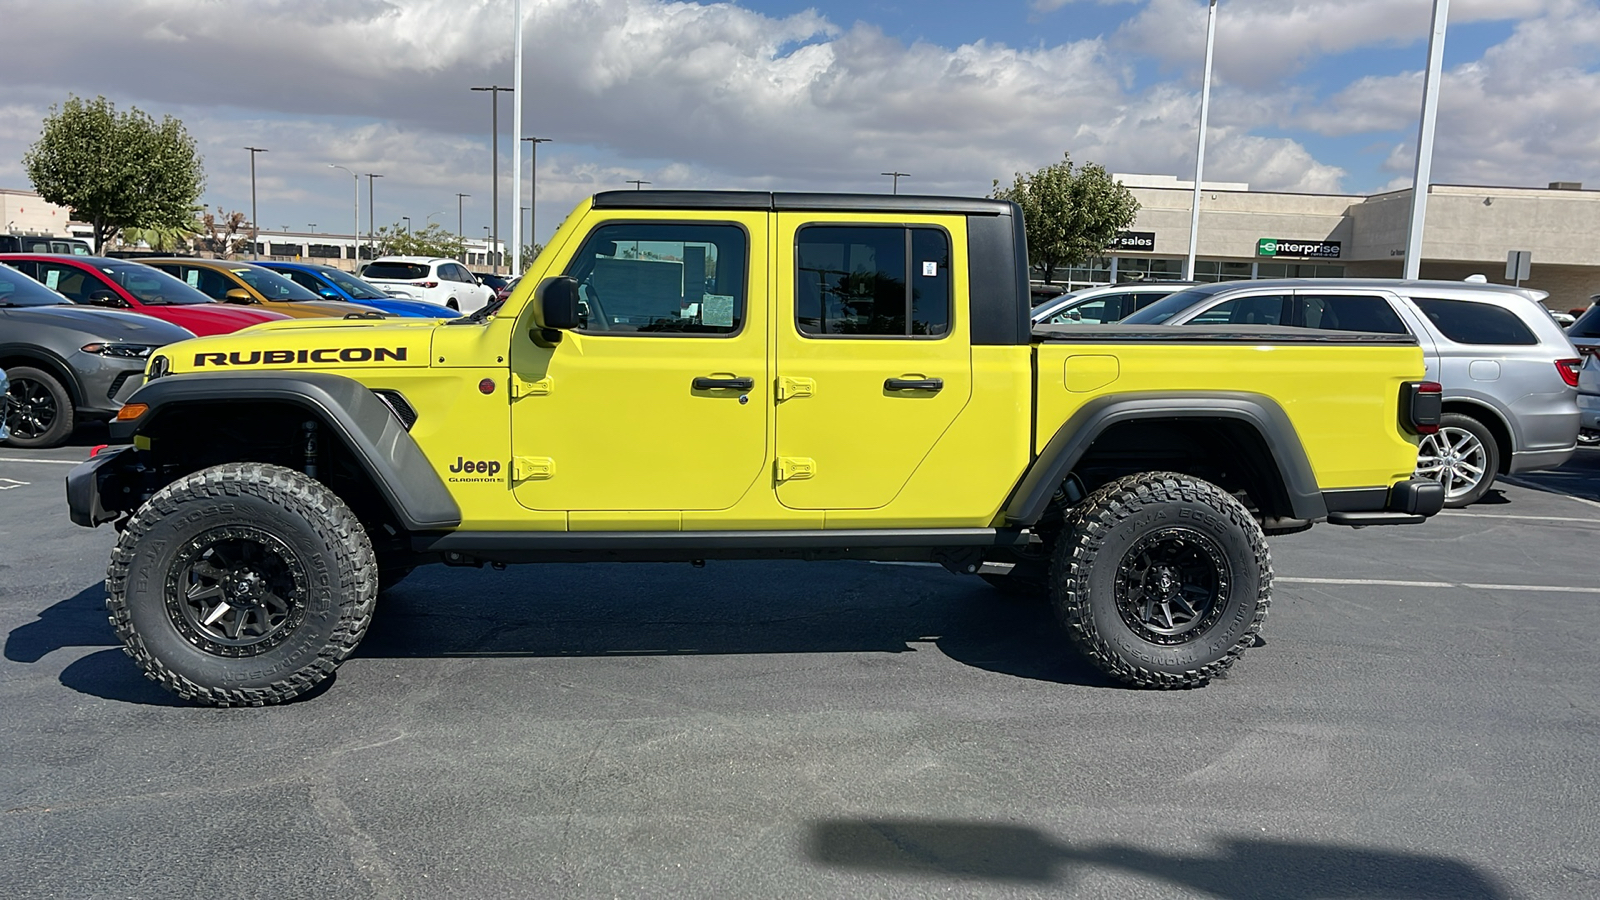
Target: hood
213, 318
313, 309
415, 308
321, 344
108, 324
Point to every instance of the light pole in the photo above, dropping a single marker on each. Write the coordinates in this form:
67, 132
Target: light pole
533, 187
494, 154
637, 184
488, 248
1200, 152
408, 223
355, 224
372, 238
516, 135
1430, 117
461, 234
896, 176
428, 219
255, 230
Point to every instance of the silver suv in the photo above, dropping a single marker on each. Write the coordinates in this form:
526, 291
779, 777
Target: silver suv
1510, 375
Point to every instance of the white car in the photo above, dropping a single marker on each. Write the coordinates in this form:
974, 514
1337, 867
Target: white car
436, 280
1105, 304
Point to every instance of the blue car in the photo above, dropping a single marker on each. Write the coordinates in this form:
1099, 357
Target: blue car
336, 284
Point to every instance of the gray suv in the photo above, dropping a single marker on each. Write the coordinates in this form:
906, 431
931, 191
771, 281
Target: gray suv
1510, 375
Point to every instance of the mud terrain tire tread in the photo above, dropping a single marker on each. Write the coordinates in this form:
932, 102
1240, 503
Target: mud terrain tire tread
352, 562
1091, 523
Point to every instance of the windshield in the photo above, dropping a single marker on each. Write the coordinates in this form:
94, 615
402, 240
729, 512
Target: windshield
395, 271
17, 289
1164, 309
271, 285
352, 285
153, 286
1588, 324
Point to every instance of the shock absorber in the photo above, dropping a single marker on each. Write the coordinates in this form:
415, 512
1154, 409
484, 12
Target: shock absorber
310, 449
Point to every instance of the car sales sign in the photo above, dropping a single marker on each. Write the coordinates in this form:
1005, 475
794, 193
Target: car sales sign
1273, 247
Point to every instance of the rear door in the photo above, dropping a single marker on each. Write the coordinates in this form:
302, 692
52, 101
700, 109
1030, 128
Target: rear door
873, 355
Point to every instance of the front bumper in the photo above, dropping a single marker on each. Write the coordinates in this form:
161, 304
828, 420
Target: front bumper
93, 481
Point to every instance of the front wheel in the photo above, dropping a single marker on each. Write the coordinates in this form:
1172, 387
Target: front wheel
242, 585
1162, 580
40, 413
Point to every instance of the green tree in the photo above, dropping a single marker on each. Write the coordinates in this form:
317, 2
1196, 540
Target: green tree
1071, 215
530, 252
164, 239
116, 170
434, 240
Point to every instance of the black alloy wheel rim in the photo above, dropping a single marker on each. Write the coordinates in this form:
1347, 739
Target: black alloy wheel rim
32, 410
1172, 586
236, 591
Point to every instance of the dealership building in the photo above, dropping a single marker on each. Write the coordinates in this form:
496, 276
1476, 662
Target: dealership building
1247, 234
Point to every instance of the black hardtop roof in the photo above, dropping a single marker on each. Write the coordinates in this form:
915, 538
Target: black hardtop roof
779, 201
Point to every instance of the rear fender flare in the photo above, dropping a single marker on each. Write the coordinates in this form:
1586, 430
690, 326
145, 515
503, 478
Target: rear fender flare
1073, 439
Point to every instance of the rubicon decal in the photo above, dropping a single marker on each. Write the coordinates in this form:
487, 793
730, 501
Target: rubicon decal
286, 357
466, 471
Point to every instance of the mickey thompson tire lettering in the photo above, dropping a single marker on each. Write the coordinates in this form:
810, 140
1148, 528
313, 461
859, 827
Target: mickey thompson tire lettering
334, 557
1100, 536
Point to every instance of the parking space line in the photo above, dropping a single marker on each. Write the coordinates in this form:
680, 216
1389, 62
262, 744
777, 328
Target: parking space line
1476, 515
1380, 582
1543, 489
42, 462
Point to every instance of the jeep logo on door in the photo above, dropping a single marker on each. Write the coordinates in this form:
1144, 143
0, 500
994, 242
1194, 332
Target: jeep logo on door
287, 357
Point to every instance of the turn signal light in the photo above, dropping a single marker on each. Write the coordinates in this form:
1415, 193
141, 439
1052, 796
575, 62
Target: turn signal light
1569, 370
131, 411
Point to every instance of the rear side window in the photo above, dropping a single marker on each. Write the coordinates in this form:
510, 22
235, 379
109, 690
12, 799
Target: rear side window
1270, 309
395, 271
1588, 324
1468, 322
866, 281
1336, 312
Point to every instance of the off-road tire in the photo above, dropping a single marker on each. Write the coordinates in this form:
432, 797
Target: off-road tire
65, 413
337, 583
1094, 551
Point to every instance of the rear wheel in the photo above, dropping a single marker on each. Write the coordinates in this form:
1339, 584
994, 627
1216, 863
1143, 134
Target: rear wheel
40, 412
1463, 456
1162, 580
242, 585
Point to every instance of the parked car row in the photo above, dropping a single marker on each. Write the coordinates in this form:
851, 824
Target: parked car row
76, 330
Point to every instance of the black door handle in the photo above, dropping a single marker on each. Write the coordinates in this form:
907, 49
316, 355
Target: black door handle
724, 384
914, 384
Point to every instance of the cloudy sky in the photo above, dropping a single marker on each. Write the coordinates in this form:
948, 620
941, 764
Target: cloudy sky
1311, 95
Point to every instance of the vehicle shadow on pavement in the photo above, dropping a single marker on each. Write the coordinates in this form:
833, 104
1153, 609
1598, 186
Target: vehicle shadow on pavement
728, 608
1239, 868
80, 621
1580, 477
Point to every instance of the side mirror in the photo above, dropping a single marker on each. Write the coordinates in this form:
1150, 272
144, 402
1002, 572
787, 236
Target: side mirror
238, 295
106, 298
555, 304
328, 293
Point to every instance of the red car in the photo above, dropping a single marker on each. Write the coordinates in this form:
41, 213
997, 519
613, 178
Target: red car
124, 284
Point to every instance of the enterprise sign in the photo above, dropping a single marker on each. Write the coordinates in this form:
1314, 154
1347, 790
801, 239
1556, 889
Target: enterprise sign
1298, 249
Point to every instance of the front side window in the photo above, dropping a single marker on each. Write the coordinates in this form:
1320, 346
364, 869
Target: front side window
153, 286
271, 285
658, 278
1092, 312
865, 281
1335, 312
1469, 322
69, 281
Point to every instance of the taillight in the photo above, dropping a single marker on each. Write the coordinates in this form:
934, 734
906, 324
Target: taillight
1569, 370
1422, 405
425, 284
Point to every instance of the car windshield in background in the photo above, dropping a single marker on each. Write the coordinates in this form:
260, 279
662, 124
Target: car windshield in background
1164, 309
273, 286
153, 286
1588, 324
395, 271
352, 285
17, 289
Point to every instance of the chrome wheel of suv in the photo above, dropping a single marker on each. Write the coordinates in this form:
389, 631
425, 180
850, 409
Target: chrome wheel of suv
1456, 458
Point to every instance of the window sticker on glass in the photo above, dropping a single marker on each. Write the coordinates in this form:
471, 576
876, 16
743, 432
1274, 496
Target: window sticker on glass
52, 278
716, 310
192, 277
930, 269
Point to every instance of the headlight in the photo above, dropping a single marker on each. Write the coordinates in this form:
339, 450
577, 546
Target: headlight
120, 350
160, 366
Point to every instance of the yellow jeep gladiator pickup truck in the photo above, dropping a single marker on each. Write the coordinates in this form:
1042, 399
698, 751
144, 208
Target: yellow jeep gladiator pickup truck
731, 375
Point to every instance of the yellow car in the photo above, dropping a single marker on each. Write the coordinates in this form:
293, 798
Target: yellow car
246, 284
685, 376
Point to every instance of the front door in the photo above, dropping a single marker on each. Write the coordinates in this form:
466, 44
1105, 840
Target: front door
659, 401
873, 355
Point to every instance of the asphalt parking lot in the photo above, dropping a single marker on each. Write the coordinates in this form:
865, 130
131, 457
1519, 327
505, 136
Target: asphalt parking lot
1423, 722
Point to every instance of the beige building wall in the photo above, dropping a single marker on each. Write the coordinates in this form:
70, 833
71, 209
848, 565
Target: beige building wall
24, 212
